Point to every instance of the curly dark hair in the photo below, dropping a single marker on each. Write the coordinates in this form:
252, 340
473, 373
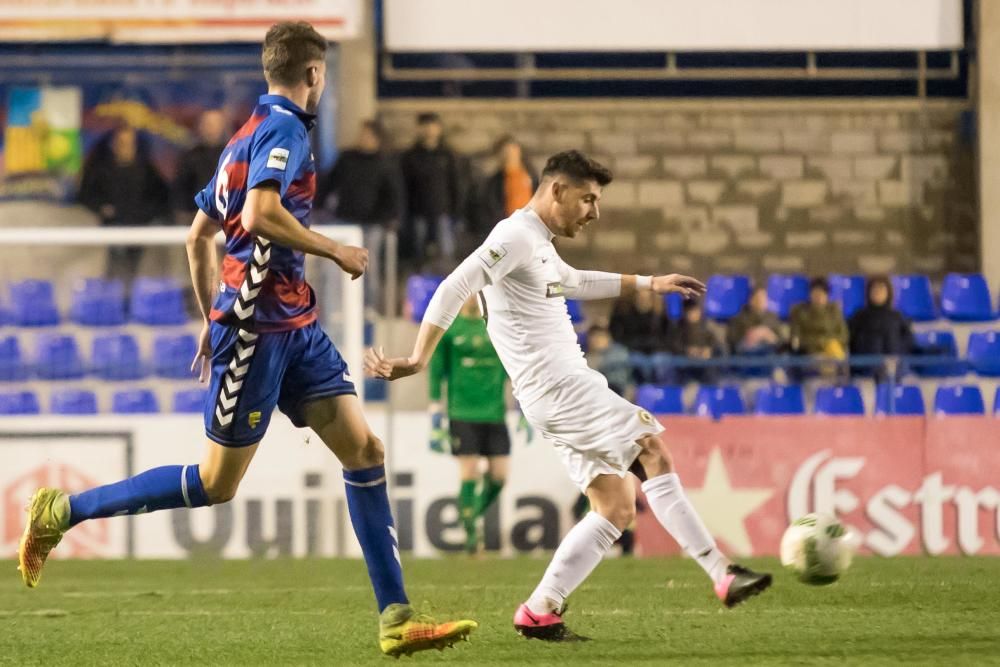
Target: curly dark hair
577, 166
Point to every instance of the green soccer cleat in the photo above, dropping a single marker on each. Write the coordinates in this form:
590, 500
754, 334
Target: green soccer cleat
403, 631
48, 521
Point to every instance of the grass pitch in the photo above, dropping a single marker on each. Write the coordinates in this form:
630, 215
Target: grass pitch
648, 612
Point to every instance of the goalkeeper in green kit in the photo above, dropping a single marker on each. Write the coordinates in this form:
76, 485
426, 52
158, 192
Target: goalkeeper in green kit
466, 361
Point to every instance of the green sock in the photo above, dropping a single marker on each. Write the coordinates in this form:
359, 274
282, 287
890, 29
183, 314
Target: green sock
491, 489
467, 507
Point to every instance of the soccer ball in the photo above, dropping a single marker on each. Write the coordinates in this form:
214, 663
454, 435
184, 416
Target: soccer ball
817, 548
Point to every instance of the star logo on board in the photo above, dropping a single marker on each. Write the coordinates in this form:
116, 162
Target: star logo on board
723, 508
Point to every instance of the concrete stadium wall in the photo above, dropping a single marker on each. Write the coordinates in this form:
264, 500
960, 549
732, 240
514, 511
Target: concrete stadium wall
750, 186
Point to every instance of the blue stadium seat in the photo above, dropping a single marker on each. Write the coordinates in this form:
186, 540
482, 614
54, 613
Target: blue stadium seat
959, 399
57, 357
73, 402
674, 303
173, 354
784, 291
840, 400
660, 399
848, 291
157, 301
899, 399
983, 353
912, 296
419, 290
575, 311
32, 304
134, 401
718, 401
965, 297
779, 399
376, 390
726, 296
116, 357
19, 403
12, 366
189, 400
940, 344
98, 303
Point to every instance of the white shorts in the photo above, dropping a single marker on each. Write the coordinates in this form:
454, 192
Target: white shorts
594, 429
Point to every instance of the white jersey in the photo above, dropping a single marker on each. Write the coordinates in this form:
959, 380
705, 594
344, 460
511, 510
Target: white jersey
524, 283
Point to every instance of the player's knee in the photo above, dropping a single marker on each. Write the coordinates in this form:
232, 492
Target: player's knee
621, 516
369, 454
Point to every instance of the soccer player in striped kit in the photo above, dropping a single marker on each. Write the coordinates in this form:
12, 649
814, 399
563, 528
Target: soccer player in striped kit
261, 346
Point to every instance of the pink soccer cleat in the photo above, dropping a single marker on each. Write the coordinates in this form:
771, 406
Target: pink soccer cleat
740, 584
547, 627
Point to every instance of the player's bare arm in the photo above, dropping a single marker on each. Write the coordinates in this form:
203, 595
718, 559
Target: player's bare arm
379, 366
264, 215
203, 261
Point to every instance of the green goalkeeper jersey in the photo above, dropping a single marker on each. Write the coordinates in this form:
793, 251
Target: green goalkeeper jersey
466, 360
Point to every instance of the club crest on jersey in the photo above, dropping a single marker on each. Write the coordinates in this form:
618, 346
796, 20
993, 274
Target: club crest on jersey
554, 289
492, 255
277, 159
645, 417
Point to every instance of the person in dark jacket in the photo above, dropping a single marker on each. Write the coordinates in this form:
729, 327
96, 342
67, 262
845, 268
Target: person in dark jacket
755, 329
365, 188
197, 164
877, 328
693, 339
123, 188
640, 323
510, 187
433, 191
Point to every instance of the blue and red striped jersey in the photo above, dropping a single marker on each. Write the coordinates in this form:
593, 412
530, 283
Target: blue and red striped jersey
263, 286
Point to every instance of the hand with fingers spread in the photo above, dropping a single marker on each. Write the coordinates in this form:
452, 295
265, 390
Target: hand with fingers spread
352, 260
202, 363
689, 288
377, 365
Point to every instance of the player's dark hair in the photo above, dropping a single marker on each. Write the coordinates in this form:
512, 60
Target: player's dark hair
375, 128
577, 166
428, 117
289, 48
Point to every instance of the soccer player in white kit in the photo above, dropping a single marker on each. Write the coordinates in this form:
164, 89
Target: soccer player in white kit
600, 436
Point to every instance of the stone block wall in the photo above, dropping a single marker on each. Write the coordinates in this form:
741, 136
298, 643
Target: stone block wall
749, 186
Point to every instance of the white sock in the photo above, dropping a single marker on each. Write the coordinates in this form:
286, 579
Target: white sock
574, 560
673, 510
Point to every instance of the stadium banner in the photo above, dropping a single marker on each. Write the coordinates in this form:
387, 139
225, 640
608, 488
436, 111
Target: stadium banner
906, 485
291, 502
673, 25
170, 21
52, 124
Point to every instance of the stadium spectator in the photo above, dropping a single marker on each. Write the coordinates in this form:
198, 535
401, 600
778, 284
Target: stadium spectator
433, 192
755, 329
365, 188
197, 164
512, 184
609, 358
692, 338
877, 328
640, 323
123, 188
818, 327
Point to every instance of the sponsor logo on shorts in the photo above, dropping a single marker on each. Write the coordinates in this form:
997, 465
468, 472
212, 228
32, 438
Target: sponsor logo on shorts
253, 419
492, 254
278, 159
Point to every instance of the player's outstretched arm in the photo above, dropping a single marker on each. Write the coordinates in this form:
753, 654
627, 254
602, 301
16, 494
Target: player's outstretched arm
675, 283
377, 365
264, 215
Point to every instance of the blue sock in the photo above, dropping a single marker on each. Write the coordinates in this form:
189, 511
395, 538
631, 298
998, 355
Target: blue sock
368, 504
157, 489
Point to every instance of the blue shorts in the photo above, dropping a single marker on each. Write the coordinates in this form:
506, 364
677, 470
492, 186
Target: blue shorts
252, 373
